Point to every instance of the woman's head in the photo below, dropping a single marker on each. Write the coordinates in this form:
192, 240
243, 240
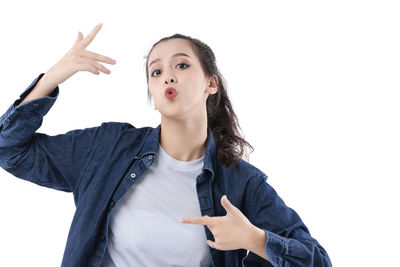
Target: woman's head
174, 63
189, 65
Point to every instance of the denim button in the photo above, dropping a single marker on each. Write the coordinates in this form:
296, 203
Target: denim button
133, 175
103, 237
150, 157
112, 203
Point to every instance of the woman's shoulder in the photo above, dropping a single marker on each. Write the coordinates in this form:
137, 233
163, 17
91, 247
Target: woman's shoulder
118, 126
247, 166
245, 172
115, 130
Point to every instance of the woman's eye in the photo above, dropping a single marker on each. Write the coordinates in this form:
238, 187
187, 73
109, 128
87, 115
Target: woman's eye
152, 74
187, 65
183, 64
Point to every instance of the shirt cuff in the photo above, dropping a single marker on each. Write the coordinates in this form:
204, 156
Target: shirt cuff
41, 105
275, 247
19, 121
52, 97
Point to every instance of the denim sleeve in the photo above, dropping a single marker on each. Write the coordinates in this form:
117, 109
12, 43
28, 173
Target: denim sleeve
57, 161
289, 242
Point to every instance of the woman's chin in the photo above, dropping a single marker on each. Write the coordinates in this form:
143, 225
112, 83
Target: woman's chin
173, 115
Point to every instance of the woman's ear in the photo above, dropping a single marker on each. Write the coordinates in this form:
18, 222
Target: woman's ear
213, 85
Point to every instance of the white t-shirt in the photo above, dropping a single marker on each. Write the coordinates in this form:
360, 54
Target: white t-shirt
144, 226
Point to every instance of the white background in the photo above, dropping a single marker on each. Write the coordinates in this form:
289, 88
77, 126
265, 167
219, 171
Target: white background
315, 85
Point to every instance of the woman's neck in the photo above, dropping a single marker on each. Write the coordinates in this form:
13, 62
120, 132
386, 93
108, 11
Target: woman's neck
184, 141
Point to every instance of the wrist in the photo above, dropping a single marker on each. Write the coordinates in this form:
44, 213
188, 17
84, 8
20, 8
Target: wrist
258, 238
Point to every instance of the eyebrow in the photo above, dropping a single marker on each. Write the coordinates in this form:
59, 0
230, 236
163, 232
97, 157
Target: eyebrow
176, 55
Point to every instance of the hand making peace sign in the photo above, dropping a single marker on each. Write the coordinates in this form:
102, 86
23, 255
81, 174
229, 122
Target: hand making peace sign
79, 59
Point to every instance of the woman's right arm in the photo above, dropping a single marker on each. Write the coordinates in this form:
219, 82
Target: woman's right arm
76, 59
57, 161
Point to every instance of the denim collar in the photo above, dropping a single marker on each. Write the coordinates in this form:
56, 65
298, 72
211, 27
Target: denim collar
153, 139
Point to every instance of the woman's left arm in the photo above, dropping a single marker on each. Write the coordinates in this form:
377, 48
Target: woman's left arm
287, 240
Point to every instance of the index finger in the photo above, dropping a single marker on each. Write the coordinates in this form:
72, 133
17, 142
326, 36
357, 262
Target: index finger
196, 220
88, 39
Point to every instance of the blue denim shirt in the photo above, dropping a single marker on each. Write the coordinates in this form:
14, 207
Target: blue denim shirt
99, 165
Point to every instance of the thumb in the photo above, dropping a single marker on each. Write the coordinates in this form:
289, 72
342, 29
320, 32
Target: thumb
227, 204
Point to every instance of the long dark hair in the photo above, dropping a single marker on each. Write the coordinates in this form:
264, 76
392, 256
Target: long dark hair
220, 115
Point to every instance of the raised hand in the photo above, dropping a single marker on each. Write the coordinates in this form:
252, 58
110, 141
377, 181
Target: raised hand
79, 59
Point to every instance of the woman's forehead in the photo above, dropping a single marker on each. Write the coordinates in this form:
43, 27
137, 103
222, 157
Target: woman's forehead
167, 49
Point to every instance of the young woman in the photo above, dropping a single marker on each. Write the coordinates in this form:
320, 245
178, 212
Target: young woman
175, 195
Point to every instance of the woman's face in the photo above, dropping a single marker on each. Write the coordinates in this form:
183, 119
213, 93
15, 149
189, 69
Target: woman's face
184, 73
